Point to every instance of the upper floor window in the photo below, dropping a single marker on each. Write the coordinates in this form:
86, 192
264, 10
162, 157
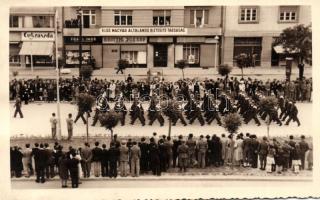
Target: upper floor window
199, 17
288, 14
161, 17
41, 21
14, 21
123, 17
89, 18
248, 14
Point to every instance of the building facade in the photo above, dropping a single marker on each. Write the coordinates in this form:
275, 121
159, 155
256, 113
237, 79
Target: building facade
151, 37
145, 36
32, 36
253, 29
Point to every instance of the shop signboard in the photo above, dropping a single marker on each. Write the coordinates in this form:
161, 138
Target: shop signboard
38, 36
142, 31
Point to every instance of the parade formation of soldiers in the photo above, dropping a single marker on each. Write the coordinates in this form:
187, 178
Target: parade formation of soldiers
159, 154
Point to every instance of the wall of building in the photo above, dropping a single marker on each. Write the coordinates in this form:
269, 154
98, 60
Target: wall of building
214, 16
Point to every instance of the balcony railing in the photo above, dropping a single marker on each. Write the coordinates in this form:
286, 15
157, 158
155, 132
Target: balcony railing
72, 23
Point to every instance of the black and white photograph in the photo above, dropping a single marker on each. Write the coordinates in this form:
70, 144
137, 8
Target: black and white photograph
160, 96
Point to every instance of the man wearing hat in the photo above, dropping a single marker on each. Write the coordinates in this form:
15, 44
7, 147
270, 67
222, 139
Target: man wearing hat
263, 152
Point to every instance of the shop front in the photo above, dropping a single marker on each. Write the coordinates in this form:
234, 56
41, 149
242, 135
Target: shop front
36, 49
198, 51
91, 50
130, 48
252, 46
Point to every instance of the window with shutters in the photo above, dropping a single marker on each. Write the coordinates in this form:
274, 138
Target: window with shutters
199, 17
123, 17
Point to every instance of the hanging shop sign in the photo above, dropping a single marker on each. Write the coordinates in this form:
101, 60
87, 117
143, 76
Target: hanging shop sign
37, 36
142, 31
125, 40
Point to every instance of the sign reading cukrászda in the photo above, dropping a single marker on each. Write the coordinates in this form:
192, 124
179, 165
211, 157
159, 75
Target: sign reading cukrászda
37, 36
142, 31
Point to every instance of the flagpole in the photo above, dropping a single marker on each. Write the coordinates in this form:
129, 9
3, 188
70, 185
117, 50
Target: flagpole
57, 76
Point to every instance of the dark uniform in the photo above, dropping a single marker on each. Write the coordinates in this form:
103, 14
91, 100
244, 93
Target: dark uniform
114, 154
74, 171
155, 113
17, 105
293, 114
137, 112
119, 107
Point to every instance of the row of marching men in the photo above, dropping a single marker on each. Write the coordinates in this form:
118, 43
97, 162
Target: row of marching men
205, 111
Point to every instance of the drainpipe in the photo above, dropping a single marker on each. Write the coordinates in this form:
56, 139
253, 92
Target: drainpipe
223, 25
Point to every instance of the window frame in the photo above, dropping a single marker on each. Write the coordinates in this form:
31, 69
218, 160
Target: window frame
91, 15
288, 10
42, 21
14, 61
120, 15
11, 21
204, 21
166, 13
189, 48
251, 9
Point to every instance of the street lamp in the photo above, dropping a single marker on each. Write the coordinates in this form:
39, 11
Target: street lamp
57, 76
216, 51
79, 16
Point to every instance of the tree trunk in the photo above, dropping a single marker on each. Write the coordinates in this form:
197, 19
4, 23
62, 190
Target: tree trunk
183, 74
169, 132
87, 127
111, 130
242, 72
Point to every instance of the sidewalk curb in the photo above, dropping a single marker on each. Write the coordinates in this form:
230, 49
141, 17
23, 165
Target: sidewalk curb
188, 178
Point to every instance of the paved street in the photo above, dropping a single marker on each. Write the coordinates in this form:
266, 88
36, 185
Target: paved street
37, 115
156, 183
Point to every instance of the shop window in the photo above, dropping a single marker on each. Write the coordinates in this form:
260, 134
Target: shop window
248, 14
123, 17
41, 21
89, 18
161, 17
14, 21
14, 59
72, 57
191, 53
134, 58
199, 18
288, 14
251, 46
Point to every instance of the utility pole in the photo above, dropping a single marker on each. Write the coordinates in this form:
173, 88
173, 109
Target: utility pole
79, 12
57, 75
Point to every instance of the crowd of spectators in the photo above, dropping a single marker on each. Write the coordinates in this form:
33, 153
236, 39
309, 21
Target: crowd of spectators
159, 154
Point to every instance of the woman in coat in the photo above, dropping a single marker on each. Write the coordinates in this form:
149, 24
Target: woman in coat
63, 170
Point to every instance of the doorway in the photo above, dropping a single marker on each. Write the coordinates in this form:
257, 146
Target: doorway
160, 55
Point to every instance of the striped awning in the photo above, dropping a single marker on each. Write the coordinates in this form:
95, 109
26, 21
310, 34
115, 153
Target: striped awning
37, 48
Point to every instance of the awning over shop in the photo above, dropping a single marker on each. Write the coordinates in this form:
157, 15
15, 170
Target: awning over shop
37, 48
280, 50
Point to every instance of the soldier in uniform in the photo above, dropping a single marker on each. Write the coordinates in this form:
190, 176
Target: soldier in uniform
155, 113
212, 113
191, 143
177, 113
304, 147
183, 156
17, 105
281, 105
102, 106
196, 114
137, 112
120, 107
250, 114
293, 114
263, 152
